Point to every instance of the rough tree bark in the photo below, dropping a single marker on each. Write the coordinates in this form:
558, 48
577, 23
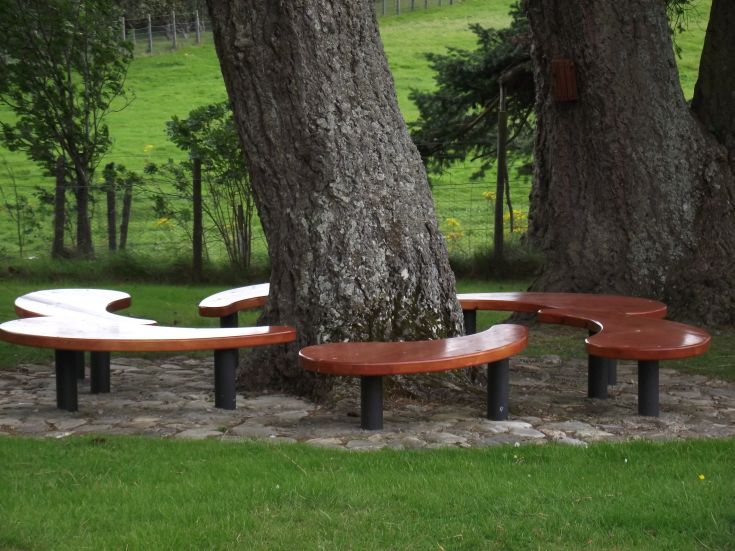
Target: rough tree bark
632, 193
354, 246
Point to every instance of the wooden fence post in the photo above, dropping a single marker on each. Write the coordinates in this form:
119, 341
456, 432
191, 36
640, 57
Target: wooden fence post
199, 34
398, 7
498, 240
110, 184
122, 21
150, 35
173, 19
197, 220
57, 248
125, 216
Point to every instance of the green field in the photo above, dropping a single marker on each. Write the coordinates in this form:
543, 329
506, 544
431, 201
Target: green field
143, 493
172, 83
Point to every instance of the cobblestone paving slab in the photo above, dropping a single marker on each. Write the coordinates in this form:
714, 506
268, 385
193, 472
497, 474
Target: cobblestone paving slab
173, 398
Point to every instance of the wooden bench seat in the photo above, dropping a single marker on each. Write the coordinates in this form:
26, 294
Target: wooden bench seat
601, 372
98, 303
645, 340
226, 304
82, 303
70, 335
371, 361
602, 368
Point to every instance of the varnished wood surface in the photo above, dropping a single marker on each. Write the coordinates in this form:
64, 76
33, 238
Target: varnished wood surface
632, 337
391, 358
233, 300
98, 335
533, 302
81, 302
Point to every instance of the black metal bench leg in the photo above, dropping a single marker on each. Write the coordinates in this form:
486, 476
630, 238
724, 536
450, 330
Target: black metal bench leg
597, 377
225, 375
497, 390
612, 372
79, 362
99, 372
470, 321
66, 379
371, 402
230, 320
648, 388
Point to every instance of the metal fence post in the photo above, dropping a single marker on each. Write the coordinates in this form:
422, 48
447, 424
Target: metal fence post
150, 35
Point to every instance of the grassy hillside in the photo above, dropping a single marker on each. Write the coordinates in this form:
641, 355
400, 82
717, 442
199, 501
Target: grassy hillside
173, 83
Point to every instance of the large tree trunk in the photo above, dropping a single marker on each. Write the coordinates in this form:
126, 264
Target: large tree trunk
631, 193
342, 194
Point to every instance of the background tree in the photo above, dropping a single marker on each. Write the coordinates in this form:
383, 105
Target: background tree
634, 190
354, 246
61, 67
208, 135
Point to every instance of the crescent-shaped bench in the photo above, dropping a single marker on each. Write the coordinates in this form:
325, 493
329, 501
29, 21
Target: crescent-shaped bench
68, 335
625, 319
82, 303
645, 340
371, 361
601, 372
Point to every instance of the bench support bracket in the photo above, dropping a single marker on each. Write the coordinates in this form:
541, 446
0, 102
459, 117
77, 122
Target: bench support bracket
371, 402
648, 388
470, 321
99, 372
66, 379
225, 373
79, 362
612, 372
497, 390
597, 377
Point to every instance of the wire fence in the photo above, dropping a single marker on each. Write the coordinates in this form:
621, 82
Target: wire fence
165, 32
464, 206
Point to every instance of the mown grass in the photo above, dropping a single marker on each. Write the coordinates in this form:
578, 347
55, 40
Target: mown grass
139, 493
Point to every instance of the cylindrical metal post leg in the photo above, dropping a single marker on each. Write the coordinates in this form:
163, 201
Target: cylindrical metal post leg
371, 402
470, 321
612, 372
79, 362
229, 320
497, 390
648, 388
597, 377
66, 380
225, 371
99, 372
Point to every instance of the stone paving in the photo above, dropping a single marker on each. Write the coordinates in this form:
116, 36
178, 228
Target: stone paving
173, 398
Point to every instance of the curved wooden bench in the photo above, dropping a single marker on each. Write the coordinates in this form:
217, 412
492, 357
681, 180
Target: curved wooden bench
601, 372
71, 335
82, 303
371, 361
645, 340
226, 304
98, 303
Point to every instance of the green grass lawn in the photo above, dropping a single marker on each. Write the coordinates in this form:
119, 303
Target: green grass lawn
142, 493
